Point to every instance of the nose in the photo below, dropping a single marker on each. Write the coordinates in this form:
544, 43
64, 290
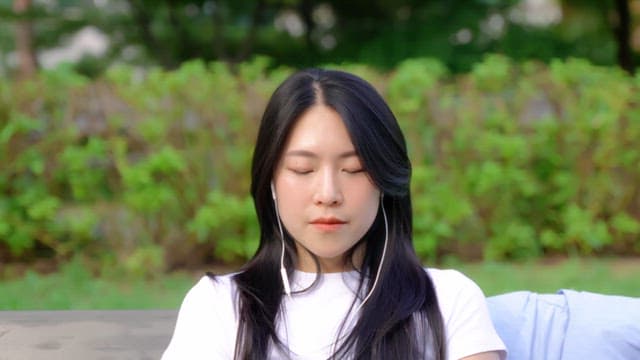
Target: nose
329, 192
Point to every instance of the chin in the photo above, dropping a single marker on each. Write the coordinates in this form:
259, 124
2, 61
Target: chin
331, 256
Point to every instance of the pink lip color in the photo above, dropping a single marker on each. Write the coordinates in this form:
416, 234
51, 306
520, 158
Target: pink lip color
327, 224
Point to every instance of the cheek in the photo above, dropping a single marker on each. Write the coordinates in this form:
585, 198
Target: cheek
290, 190
373, 209
369, 202
291, 199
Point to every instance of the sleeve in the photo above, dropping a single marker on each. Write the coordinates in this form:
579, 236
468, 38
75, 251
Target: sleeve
468, 326
205, 326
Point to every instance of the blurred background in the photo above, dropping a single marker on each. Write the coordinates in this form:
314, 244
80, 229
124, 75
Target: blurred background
96, 34
127, 127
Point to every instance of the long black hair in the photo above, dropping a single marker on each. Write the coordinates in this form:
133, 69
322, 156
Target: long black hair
401, 319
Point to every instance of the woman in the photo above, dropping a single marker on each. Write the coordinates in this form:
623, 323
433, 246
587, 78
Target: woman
335, 275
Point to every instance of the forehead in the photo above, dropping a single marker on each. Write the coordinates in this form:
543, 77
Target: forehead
320, 129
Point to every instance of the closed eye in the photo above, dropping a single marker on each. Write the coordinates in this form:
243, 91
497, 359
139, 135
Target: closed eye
354, 171
301, 171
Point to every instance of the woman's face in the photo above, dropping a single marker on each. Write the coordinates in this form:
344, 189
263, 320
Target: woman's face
325, 199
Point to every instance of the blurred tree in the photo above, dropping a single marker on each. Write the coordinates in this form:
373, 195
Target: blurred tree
27, 63
309, 32
598, 21
175, 31
622, 30
457, 32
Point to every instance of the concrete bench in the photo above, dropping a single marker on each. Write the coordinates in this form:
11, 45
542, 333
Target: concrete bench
94, 334
567, 325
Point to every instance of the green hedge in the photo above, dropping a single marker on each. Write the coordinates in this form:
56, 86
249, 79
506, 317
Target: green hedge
149, 169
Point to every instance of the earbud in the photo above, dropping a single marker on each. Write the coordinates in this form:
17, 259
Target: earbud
285, 281
283, 270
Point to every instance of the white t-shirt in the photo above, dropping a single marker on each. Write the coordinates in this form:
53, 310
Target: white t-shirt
207, 324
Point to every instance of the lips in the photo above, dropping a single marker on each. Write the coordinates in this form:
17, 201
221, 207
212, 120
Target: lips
328, 223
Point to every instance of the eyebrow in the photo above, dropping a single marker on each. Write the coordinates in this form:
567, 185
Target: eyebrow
310, 154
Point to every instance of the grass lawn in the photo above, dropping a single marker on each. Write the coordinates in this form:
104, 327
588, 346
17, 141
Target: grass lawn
74, 288
607, 276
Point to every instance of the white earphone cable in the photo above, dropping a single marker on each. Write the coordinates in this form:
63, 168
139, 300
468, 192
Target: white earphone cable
384, 252
283, 270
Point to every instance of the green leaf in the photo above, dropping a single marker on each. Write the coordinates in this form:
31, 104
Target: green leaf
624, 223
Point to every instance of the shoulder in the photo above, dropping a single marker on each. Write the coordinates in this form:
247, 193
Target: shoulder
455, 292
210, 289
450, 284
211, 298
444, 277
207, 312
463, 306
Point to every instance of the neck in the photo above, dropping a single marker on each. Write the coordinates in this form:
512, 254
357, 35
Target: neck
342, 263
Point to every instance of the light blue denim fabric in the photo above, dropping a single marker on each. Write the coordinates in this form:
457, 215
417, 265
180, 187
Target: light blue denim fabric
532, 326
602, 326
569, 325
